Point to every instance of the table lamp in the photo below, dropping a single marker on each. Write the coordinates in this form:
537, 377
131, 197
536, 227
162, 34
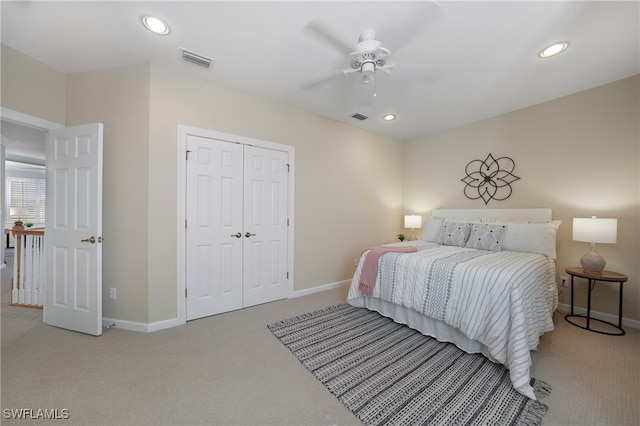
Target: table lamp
414, 222
19, 212
594, 230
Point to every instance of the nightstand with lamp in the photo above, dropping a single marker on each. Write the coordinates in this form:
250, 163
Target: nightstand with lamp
595, 230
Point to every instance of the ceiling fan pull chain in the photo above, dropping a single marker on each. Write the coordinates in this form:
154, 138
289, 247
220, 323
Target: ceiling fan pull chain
375, 85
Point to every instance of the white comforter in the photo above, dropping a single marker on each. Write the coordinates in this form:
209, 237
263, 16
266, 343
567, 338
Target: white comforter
503, 300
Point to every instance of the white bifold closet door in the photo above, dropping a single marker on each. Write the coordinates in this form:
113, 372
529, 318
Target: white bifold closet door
237, 226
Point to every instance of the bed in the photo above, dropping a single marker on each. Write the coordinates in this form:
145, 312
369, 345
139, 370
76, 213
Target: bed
492, 291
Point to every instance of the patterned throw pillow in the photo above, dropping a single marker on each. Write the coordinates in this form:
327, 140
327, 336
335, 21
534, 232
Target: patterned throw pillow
454, 234
485, 236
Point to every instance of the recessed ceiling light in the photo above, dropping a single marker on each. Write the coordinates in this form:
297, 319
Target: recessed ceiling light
155, 25
389, 117
553, 49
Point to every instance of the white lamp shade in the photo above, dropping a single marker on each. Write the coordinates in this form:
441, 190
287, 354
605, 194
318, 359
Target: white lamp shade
413, 221
595, 230
17, 211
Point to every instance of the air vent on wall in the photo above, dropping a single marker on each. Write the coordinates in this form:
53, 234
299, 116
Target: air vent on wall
360, 117
194, 58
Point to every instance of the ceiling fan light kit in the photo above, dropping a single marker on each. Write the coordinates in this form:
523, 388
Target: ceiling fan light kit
368, 57
368, 68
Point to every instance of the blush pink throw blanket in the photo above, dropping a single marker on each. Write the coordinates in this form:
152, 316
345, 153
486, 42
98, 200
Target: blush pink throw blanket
370, 266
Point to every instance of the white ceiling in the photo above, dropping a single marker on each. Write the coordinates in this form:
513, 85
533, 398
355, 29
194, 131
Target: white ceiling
484, 53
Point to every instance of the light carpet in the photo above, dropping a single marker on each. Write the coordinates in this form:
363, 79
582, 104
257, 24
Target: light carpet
388, 373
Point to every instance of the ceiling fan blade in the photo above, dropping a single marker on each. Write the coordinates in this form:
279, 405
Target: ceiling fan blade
320, 81
401, 34
321, 29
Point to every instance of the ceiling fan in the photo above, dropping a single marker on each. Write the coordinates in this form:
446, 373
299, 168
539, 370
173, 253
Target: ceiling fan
366, 57
369, 55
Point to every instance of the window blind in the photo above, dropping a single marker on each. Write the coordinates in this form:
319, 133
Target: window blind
28, 194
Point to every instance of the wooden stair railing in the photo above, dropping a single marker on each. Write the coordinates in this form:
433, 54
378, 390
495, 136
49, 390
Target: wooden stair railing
29, 263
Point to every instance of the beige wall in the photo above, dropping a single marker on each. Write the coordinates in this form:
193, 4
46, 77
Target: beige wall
577, 155
119, 98
31, 87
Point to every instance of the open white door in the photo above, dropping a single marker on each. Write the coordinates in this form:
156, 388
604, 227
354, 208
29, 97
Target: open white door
73, 230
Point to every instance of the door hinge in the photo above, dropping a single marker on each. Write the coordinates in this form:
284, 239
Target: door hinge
185, 224
288, 169
186, 157
287, 221
287, 275
185, 292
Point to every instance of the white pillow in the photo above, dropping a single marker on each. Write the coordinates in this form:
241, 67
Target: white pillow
532, 238
431, 229
485, 236
454, 233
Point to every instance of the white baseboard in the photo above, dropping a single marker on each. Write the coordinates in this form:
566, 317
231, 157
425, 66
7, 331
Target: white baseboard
318, 289
139, 326
627, 322
161, 325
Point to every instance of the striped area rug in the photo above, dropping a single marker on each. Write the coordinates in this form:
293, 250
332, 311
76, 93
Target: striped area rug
388, 373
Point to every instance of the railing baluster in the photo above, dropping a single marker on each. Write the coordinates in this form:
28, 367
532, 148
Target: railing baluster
21, 269
27, 287
28, 268
41, 270
15, 282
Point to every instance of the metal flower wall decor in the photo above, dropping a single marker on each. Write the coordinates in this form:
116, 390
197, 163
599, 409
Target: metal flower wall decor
489, 179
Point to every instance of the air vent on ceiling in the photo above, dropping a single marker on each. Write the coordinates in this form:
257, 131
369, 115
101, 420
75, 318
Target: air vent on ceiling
360, 117
194, 58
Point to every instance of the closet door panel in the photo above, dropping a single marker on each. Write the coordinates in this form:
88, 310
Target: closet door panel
214, 227
265, 225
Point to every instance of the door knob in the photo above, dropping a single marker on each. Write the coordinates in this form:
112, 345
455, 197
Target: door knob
238, 235
91, 240
249, 234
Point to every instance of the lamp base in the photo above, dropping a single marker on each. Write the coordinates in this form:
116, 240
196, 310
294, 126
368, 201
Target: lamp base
592, 262
17, 226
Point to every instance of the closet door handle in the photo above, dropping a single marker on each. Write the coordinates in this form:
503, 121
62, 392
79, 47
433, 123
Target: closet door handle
249, 234
238, 235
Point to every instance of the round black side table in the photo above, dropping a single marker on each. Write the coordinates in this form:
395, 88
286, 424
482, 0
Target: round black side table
592, 278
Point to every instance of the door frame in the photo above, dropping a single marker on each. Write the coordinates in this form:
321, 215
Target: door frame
28, 120
24, 120
181, 248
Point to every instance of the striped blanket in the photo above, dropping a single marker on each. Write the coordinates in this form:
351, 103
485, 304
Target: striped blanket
504, 300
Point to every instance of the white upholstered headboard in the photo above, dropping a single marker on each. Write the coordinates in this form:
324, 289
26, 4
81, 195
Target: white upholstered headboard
543, 214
